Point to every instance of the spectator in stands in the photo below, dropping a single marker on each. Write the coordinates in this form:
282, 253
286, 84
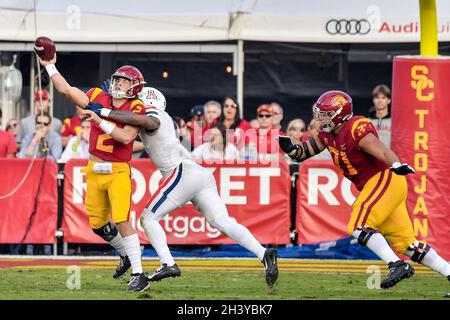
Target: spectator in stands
71, 127
78, 146
13, 127
380, 114
217, 148
230, 118
197, 125
27, 125
277, 115
267, 146
212, 110
8, 146
254, 123
184, 133
43, 141
296, 129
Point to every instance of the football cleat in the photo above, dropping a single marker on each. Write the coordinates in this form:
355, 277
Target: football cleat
398, 271
164, 272
138, 282
271, 267
122, 268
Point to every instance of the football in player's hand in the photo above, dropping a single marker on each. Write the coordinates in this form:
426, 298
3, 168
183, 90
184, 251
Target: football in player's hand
44, 48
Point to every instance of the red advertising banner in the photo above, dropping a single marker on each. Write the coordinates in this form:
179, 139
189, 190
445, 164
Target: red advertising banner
324, 202
28, 216
420, 122
257, 196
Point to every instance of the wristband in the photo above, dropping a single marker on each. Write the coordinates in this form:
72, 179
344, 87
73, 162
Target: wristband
51, 69
107, 127
104, 112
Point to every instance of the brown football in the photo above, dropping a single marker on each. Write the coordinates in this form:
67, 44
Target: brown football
44, 48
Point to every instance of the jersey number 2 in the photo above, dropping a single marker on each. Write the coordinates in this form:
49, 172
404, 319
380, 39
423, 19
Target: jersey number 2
100, 143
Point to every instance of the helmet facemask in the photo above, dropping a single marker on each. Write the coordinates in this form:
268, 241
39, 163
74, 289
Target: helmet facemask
128, 94
325, 118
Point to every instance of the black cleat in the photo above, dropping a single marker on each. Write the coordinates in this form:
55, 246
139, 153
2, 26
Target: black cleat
122, 268
398, 271
164, 272
448, 278
271, 267
138, 282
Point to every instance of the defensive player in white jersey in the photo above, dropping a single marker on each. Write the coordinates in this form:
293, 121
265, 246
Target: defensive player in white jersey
184, 181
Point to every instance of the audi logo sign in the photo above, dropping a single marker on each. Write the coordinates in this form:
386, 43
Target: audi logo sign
348, 26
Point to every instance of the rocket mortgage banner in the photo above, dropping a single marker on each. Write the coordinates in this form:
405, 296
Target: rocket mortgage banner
257, 196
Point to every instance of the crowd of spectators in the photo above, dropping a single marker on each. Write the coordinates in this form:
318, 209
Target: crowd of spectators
213, 131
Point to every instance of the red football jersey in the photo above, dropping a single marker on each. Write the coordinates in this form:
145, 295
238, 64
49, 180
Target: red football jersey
100, 143
71, 127
357, 165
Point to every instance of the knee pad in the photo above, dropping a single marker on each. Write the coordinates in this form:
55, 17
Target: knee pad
365, 234
417, 251
107, 232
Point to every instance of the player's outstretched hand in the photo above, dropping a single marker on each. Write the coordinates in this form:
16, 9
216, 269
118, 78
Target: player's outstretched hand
95, 107
47, 62
105, 85
288, 147
286, 144
91, 116
401, 169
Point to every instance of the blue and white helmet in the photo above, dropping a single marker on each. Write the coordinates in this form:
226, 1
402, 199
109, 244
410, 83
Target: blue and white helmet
152, 97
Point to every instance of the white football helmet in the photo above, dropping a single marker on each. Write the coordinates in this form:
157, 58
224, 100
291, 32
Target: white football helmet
152, 97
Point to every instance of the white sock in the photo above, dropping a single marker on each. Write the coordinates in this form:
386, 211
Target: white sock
435, 262
240, 234
157, 237
378, 244
133, 250
117, 243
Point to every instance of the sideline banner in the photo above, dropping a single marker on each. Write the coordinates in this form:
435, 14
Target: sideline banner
420, 118
24, 209
257, 196
324, 202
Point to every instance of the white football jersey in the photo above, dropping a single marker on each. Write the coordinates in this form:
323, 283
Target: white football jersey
163, 146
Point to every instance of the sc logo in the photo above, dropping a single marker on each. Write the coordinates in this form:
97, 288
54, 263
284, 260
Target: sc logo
421, 82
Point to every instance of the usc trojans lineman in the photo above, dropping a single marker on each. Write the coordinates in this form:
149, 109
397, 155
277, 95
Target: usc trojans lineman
108, 174
379, 212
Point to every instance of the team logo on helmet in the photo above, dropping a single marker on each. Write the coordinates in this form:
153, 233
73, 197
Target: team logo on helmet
338, 101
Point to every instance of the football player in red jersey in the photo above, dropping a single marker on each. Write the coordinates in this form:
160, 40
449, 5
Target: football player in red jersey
379, 212
108, 174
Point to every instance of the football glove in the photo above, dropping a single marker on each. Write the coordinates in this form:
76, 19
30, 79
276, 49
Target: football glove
106, 85
401, 169
292, 150
96, 107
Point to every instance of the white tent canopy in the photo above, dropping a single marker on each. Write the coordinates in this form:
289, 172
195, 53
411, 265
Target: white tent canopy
139, 21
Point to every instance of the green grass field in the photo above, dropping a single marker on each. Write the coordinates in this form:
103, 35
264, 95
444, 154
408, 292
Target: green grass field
49, 282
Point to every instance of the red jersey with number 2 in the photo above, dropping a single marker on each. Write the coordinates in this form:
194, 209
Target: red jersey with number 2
103, 145
357, 165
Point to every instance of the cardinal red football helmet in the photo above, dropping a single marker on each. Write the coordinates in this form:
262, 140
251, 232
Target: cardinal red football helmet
332, 109
130, 73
